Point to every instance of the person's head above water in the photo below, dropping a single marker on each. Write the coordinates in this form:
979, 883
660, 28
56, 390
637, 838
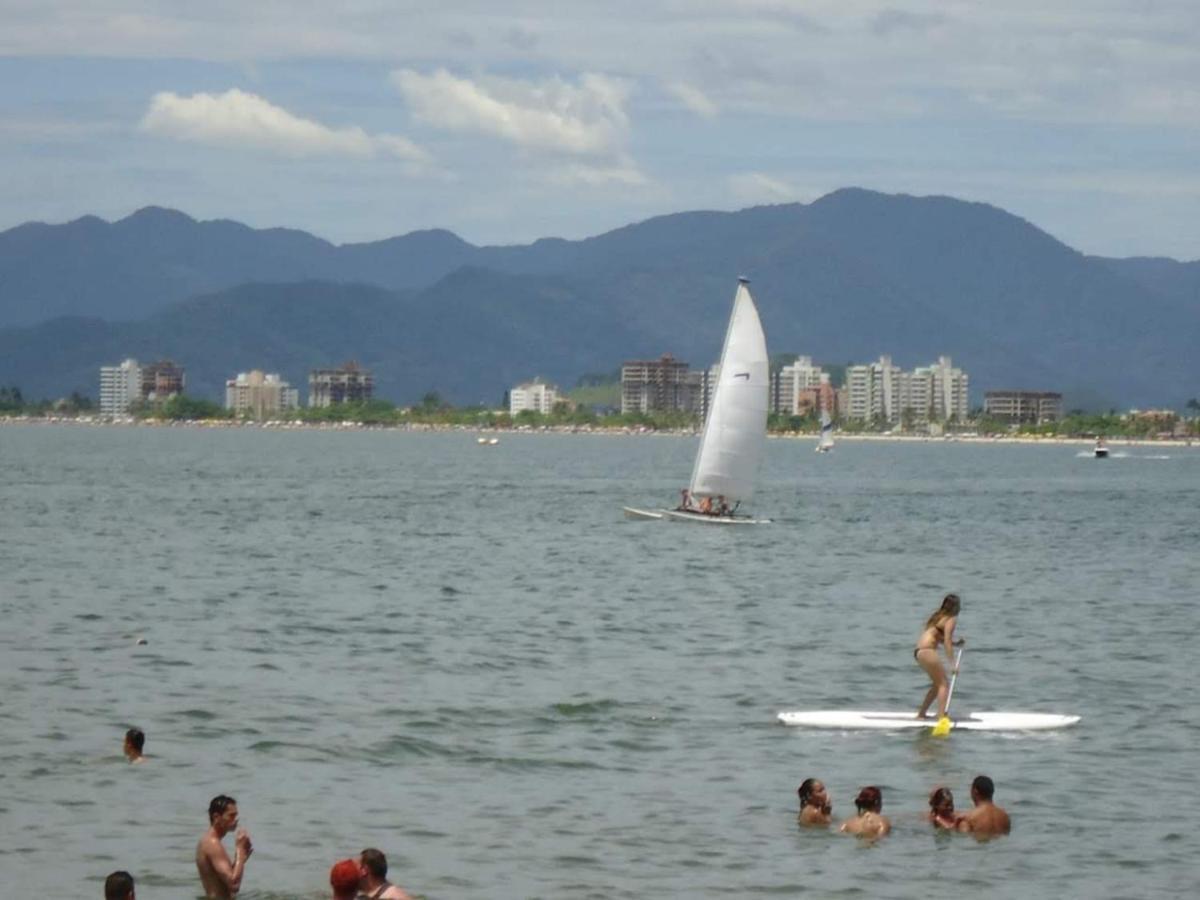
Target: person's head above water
135, 740
941, 800
983, 787
869, 799
809, 788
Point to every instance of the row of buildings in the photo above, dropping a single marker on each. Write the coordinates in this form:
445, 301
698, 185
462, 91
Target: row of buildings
255, 393
873, 392
879, 392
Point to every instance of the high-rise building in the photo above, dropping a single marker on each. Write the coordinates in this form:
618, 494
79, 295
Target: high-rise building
120, 387
937, 393
535, 395
875, 391
789, 384
882, 391
161, 380
259, 395
1023, 407
349, 384
660, 385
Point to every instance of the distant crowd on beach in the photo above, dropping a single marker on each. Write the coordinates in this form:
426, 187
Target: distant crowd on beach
363, 877
985, 820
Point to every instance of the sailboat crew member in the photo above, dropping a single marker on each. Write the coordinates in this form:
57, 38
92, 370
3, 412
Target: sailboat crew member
939, 630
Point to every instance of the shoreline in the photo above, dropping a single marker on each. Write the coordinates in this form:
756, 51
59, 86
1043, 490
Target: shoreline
426, 427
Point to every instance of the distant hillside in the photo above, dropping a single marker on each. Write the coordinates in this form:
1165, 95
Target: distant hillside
845, 278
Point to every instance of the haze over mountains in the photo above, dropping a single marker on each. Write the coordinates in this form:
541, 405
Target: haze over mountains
843, 279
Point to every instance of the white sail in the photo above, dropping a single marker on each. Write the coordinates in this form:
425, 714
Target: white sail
826, 440
736, 428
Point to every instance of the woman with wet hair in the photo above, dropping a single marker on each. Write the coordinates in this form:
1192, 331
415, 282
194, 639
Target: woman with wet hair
870, 822
941, 808
938, 632
815, 808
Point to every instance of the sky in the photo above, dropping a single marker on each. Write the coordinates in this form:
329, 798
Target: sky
509, 121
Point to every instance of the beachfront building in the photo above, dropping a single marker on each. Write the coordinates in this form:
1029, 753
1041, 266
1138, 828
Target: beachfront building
660, 385
800, 388
883, 392
1023, 407
258, 395
935, 393
535, 396
349, 384
120, 387
875, 391
161, 381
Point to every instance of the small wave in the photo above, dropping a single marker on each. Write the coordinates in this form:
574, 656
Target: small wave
586, 708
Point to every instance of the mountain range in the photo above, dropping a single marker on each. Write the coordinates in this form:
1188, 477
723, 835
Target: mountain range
848, 277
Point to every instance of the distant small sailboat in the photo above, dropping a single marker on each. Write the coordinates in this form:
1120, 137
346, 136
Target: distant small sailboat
1101, 449
735, 431
825, 441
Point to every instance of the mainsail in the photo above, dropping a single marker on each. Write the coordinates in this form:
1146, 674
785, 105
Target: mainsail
736, 428
826, 440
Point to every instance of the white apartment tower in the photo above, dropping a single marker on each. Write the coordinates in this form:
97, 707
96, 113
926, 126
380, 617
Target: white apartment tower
120, 387
792, 380
535, 395
259, 395
876, 390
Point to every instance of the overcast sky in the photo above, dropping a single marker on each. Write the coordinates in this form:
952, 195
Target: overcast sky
508, 121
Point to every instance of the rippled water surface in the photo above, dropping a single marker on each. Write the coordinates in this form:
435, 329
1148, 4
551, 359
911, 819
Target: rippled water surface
466, 657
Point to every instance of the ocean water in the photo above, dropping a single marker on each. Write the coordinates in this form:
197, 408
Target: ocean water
466, 657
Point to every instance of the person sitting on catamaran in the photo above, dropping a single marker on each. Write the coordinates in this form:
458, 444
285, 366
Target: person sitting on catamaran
706, 506
815, 808
685, 500
722, 506
939, 630
870, 821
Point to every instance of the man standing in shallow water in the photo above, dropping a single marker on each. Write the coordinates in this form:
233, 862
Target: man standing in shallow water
986, 819
221, 878
374, 884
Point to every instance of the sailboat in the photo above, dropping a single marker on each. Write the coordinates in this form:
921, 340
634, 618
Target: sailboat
735, 431
825, 442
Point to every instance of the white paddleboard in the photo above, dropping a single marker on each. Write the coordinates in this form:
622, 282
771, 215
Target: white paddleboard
851, 719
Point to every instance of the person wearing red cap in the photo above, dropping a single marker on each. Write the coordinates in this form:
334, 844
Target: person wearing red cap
344, 878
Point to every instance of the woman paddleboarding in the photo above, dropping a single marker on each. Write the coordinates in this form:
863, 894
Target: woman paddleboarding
939, 630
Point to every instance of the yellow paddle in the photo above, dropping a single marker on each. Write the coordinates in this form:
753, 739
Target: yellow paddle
943, 726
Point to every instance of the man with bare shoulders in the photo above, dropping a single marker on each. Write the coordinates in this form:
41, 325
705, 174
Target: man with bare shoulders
221, 878
374, 885
986, 819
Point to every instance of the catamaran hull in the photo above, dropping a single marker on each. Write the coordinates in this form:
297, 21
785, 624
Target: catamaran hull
634, 513
854, 720
679, 515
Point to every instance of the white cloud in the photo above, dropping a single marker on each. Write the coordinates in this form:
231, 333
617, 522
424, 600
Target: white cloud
621, 173
240, 119
584, 119
757, 187
692, 98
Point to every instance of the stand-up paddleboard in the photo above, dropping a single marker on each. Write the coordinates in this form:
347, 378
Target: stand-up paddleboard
854, 720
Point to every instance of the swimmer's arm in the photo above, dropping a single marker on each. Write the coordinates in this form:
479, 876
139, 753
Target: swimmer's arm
948, 637
229, 874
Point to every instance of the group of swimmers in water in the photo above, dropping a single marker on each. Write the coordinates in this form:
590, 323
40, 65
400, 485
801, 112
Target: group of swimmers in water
985, 820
